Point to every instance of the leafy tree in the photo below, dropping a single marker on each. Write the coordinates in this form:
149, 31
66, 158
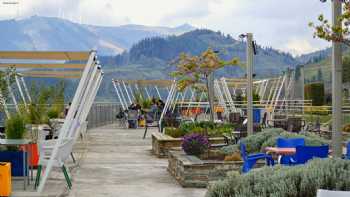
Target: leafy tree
329, 32
196, 70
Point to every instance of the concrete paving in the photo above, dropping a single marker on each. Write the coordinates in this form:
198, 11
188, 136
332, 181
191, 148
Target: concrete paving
118, 162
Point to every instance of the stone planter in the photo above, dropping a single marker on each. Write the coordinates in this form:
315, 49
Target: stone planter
161, 143
190, 171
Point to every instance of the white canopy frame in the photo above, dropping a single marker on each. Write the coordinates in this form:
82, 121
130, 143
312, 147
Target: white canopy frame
77, 114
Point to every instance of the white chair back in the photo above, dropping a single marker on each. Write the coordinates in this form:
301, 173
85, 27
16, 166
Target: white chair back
327, 193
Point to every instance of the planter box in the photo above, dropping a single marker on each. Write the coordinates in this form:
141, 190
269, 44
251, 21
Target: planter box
161, 143
190, 171
16, 160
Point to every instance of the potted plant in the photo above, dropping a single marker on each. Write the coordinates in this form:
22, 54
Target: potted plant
14, 129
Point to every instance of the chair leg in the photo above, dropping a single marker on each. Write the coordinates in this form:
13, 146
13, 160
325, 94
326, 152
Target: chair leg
66, 176
73, 158
144, 135
37, 178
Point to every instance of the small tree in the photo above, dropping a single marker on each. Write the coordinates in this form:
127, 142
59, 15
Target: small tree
196, 70
326, 31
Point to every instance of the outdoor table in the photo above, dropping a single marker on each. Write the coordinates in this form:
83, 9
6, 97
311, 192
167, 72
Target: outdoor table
280, 151
23, 143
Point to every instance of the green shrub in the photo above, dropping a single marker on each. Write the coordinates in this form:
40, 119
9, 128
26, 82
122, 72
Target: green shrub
279, 181
15, 127
315, 92
174, 132
258, 141
53, 113
206, 128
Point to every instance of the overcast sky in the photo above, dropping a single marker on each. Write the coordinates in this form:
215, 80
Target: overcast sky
282, 24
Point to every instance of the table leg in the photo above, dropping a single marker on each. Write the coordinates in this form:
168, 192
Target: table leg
24, 168
27, 166
30, 160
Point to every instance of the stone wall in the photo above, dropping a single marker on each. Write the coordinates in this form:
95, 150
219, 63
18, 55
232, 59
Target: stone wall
161, 143
190, 171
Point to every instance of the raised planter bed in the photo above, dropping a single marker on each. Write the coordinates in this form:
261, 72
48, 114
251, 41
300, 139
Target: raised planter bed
190, 171
162, 144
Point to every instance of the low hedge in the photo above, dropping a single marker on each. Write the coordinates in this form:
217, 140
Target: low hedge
281, 181
258, 142
205, 128
315, 92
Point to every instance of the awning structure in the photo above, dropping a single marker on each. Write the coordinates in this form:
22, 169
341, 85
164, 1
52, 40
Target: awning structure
42, 66
83, 65
53, 74
45, 55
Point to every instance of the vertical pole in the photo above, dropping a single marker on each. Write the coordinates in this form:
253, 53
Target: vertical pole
302, 78
210, 87
336, 84
250, 57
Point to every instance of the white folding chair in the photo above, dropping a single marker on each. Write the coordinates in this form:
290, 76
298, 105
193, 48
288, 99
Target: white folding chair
45, 151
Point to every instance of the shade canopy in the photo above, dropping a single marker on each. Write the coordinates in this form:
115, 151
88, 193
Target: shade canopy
45, 55
53, 64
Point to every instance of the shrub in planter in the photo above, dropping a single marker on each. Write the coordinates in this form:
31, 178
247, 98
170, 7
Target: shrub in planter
297, 181
15, 129
257, 142
53, 113
195, 144
174, 132
206, 128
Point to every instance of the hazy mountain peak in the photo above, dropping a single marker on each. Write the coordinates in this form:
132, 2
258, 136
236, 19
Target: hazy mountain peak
52, 33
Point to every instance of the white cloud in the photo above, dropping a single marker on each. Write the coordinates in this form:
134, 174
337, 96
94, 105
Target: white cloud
273, 22
299, 46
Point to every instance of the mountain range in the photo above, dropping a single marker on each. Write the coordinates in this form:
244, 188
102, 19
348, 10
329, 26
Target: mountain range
142, 52
49, 33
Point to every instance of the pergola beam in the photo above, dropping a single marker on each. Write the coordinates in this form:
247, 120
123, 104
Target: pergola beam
50, 66
45, 55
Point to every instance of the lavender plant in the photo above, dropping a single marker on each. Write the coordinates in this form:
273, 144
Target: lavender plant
195, 144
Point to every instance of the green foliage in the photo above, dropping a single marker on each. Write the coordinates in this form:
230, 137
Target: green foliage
205, 128
315, 92
195, 70
15, 127
296, 181
174, 132
48, 102
334, 32
144, 102
258, 142
53, 113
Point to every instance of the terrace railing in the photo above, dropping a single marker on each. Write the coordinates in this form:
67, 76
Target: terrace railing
103, 114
